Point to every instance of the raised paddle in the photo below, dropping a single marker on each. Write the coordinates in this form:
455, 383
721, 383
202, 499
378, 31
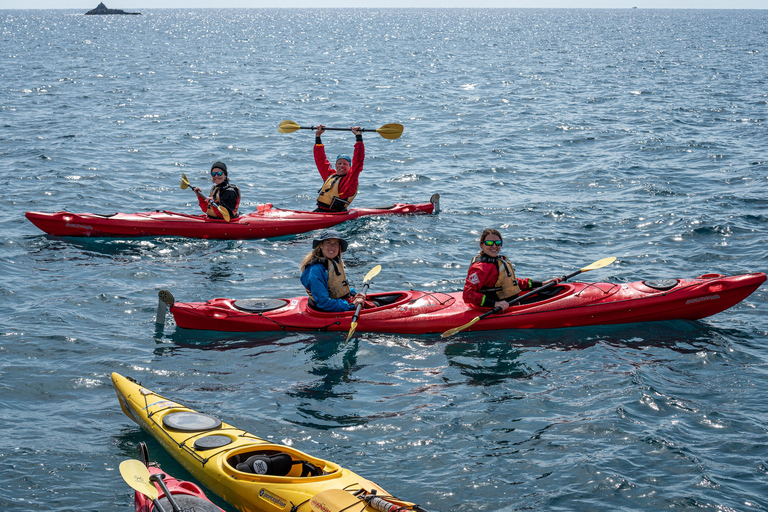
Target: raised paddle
366, 282
598, 264
185, 185
388, 131
136, 475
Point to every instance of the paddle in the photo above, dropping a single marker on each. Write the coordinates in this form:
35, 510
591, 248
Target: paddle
366, 282
388, 131
185, 185
158, 479
598, 264
136, 475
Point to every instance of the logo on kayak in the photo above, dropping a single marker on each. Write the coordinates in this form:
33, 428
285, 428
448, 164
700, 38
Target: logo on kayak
78, 226
702, 299
275, 500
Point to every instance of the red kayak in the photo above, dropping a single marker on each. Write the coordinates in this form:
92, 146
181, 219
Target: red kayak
415, 312
188, 496
266, 222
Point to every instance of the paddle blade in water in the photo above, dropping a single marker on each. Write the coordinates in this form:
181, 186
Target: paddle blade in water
451, 332
288, 127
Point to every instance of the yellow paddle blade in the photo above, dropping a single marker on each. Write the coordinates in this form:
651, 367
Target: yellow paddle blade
391, 131
184, 182
288, 127
351, 331
451, 332
136, 475
372, 273
599, 264
224, 213
334, 500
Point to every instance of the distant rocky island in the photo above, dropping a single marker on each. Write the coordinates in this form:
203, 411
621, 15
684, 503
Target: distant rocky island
102, 9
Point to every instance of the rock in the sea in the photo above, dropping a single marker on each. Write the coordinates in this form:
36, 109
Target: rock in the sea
102, 9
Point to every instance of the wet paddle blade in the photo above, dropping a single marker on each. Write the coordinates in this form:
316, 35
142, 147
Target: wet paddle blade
184, 182
334, 500
451, 332
391, 131
136, 475
351, 331
599, 264
288, 127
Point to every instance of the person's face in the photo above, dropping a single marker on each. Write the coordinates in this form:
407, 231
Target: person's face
217, 175
342, 166
492, 250
330, 248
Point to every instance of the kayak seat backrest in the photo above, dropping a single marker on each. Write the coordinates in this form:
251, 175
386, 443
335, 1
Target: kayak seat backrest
273, 464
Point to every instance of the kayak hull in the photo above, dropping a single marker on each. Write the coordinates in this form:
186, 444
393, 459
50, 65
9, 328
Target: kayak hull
214, 451
265, 222
415, 312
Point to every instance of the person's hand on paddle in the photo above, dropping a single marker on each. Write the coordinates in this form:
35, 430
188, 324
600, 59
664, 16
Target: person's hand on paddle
359, 300
357, 130
198, 191
501, 304
320, 130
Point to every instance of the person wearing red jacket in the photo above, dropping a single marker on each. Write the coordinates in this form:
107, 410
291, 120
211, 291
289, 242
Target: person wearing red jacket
223, 193
340, 184
491, 280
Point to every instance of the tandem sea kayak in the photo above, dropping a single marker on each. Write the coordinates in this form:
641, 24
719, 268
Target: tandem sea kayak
249, 473
266, 222
416, 312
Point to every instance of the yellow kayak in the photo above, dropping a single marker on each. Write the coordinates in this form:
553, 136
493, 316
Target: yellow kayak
250, 473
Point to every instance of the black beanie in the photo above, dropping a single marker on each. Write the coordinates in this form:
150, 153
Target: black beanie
222, 166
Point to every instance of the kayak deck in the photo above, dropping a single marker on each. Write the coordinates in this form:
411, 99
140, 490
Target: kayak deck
415, 312
266, 222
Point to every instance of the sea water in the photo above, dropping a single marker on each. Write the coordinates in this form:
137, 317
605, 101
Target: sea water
579, 134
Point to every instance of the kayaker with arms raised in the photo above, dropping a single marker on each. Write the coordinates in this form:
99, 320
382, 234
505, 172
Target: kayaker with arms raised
340, 184
222, 192
491, 280
322, 274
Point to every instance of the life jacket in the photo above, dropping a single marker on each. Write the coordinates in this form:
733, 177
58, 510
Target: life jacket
216, 195
506, 286
329, 195
338, 287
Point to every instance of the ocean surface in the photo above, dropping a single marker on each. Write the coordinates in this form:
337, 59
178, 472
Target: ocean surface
579, 134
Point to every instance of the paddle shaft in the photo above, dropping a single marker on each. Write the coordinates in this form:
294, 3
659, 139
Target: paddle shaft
359, 306
335, 129
532, 292
158, 479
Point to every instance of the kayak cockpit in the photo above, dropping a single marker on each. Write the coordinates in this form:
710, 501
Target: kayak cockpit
273, 460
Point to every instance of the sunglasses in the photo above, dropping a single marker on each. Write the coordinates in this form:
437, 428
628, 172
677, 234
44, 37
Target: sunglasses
491, 243
217, 173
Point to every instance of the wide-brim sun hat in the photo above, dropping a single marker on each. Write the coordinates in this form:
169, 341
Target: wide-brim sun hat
327, 235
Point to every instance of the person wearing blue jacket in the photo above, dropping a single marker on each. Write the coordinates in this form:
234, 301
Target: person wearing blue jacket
323, 276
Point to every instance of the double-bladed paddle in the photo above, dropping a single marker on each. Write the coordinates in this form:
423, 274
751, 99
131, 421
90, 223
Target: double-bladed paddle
388, 131
598, 264
185, 185
366, 282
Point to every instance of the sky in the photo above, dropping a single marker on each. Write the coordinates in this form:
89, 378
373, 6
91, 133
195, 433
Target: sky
137, 5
